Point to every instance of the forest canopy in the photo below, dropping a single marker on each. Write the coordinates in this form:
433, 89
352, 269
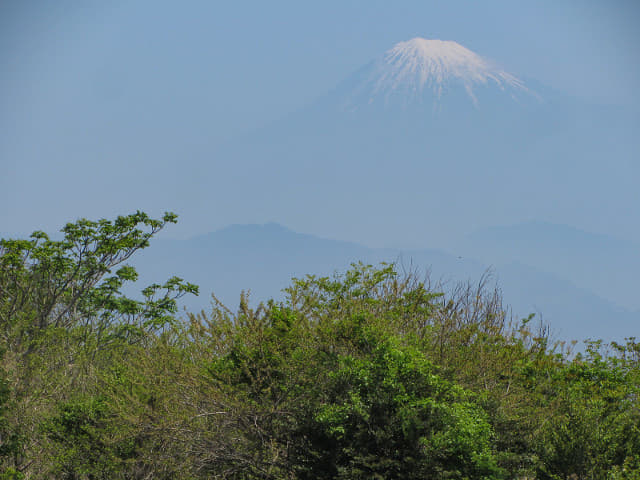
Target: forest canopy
368, 374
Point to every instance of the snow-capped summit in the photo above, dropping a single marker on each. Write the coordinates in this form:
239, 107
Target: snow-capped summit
426, 71
421, 63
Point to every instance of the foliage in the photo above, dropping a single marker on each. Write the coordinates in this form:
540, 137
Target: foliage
62, 317
390, 416
596, 422
368, 374
48, 285
10, 441
84, 447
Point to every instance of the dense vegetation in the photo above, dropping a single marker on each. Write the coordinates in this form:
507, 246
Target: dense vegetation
370, 374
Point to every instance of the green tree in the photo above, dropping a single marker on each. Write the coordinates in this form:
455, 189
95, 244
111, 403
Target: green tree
328, 389
48, 284
63, 315
389, 415
595, 417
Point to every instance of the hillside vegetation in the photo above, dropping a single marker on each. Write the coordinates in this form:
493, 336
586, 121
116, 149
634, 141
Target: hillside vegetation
370, 374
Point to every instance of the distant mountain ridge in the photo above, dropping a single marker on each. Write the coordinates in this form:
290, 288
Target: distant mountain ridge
597, 262
264, 258
402, 143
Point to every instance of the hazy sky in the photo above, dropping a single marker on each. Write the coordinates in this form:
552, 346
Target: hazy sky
89, 87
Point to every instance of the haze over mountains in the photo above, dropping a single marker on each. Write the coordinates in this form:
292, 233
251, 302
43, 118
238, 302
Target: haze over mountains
419, 148
596, 262
430, 145
426, 143
263, 259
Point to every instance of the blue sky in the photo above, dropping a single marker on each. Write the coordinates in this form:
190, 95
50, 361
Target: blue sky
89, 87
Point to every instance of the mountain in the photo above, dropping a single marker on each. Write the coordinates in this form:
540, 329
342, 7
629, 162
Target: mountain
426, 143
422, 146
596, 262
572, 312
264, 258
430, 73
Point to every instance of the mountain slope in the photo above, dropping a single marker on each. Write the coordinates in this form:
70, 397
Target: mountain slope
427, 145
264, 258
426, 72
595, 262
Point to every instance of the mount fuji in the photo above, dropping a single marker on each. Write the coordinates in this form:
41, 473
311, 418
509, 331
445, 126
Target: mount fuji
428, 142
418, 149
430, 73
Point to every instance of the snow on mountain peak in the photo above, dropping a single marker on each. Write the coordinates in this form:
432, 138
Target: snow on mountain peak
420, 65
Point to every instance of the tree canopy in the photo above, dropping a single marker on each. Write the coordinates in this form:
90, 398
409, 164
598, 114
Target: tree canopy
367, 374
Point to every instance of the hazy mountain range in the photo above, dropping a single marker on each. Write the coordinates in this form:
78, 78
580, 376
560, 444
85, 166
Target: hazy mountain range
432, 145
264, 258
428, 145
428, 142
596, 262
